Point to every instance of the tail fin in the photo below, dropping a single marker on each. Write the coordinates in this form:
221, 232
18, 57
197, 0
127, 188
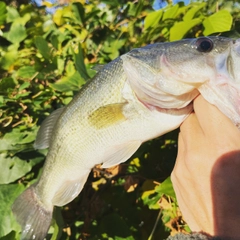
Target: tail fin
34, 219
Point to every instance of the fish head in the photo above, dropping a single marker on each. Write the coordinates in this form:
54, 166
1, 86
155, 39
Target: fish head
171, 75
195, 60
223, 89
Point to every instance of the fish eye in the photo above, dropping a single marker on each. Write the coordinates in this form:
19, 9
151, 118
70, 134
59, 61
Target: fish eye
204, 44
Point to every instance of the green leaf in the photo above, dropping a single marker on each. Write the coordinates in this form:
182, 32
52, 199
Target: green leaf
2, 12
24, 86
60, 65
16, 34
166, 188
220, 21
26, 72
23, 20
135, 8
124, 238
78, 12
2, 7
8, 59
153, 19
58, 224
12, 14
180, 29
8, 193
139, 7
70, 69
5, 84
42, 46
192, 11
113, 3
10, 236
1, 100
152, 192
13, 168
171, 12
79, 62
68, 83
14, 139
149, 196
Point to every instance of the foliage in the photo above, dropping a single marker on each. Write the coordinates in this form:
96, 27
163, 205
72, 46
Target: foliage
44, 61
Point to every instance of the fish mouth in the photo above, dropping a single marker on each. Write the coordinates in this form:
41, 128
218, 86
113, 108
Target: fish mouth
224, 90
227, 64
230, 67
233, 61
236, 45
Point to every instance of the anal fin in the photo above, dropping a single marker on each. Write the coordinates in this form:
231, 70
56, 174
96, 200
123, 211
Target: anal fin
120, 153
69, 190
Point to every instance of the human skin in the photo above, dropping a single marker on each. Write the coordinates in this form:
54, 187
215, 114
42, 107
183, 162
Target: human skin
206, 176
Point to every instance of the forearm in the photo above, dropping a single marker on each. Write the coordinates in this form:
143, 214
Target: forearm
206, 174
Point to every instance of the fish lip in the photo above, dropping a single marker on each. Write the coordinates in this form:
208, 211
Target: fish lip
234, 41
236, 45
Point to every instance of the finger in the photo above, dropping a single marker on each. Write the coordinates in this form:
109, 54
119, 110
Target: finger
181, 145
184, 197
191, 131
179, 163
185, 204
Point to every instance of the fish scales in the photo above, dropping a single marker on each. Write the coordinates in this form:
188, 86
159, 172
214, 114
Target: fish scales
136, 97
73, 130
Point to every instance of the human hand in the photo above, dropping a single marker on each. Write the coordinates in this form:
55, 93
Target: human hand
206, 176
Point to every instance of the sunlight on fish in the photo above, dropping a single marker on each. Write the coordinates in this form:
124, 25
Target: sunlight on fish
137, 97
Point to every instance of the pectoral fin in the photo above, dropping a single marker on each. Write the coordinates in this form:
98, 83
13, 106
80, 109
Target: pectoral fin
120, 153
45, 132
107, 115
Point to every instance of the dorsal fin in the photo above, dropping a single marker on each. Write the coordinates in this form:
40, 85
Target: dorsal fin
45, 132
98, 67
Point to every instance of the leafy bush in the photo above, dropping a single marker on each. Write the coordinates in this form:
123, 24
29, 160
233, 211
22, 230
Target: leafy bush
44, 61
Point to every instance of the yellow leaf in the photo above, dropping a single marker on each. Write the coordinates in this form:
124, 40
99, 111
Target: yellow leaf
135, 162
58, 17
95, 185
47, 4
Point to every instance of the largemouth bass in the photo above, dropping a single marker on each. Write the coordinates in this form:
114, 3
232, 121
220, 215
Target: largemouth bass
138, 96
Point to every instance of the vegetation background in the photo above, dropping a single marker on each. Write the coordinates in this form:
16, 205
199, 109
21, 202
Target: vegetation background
44, 60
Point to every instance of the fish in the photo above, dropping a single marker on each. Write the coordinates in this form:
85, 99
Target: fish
139, 96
